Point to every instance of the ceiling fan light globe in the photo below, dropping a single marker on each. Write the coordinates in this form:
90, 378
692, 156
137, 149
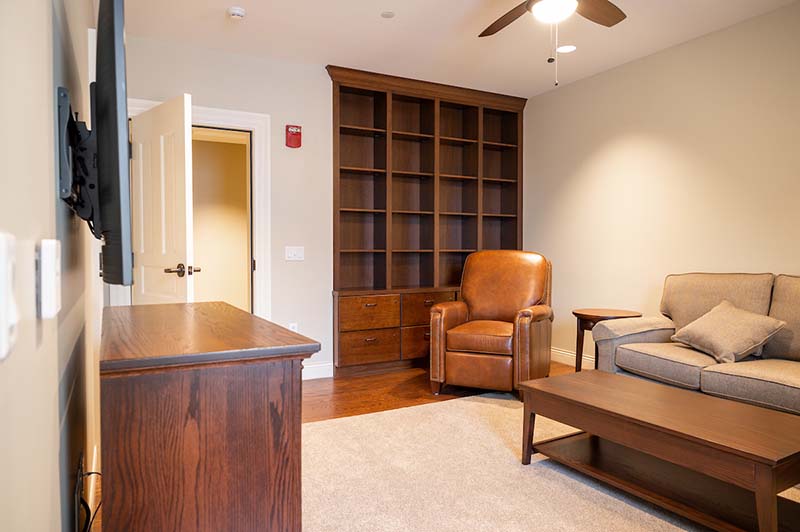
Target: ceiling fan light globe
553, 11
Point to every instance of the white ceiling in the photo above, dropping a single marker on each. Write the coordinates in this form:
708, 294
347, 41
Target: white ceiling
435, 40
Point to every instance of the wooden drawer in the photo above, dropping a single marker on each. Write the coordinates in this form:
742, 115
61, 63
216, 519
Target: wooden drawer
369, 312
368, 347
417, 307
415, 342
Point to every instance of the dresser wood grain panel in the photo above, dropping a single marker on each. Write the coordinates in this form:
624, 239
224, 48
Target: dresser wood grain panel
369, 312
417, 307
200, 411
369, 347
415, 342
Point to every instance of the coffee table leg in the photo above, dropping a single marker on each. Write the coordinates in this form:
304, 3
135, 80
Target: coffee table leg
527, 428
766, 499
579, 346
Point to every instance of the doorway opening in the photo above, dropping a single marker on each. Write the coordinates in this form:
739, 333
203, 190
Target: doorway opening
222, 199
162, 205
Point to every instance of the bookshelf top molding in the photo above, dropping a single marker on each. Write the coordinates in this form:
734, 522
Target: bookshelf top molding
425, 89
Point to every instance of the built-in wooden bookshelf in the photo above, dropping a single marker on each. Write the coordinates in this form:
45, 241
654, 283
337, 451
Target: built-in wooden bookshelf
424, 175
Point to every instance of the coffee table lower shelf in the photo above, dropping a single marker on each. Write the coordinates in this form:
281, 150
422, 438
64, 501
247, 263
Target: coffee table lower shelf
695, 496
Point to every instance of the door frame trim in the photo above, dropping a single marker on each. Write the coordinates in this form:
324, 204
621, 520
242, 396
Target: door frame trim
259, 127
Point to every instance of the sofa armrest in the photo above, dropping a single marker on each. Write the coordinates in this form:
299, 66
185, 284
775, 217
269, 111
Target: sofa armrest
444, 316
610, 334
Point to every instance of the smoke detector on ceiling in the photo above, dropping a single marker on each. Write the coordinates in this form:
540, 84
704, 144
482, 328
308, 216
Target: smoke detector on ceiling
236, 13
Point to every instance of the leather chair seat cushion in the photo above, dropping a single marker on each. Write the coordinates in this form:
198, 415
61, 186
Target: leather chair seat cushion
491, 372
670, 363
772, 383
482, 336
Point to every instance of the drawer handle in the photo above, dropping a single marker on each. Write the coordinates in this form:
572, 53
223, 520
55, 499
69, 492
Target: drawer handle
370, 305
427, 336
370, 340
429, 302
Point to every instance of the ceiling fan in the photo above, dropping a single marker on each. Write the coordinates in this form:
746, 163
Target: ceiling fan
554, 11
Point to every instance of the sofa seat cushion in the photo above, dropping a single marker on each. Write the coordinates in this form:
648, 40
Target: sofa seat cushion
482, 336
670, 363
771, 383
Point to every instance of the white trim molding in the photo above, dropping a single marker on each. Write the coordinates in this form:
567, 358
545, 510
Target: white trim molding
259, 127
566, 356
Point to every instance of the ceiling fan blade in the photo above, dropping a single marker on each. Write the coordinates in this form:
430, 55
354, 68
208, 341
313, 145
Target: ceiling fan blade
601, 11
505, 20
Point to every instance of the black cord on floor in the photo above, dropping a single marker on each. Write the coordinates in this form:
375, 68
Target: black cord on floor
96, 510
90, 516
85, 507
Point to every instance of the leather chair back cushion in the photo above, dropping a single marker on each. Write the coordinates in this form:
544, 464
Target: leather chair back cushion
691, 295
785, 307
498, 284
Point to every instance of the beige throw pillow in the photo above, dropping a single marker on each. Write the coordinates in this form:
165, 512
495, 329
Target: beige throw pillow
729, 334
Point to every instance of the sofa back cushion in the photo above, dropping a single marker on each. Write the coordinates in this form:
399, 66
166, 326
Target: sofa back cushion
690, 295
785, 307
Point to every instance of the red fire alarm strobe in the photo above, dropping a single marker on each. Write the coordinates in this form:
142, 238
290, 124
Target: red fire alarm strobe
294, 136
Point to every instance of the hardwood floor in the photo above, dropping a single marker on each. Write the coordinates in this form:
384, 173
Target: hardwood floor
352, 396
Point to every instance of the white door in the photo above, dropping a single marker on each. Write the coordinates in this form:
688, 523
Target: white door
161, 201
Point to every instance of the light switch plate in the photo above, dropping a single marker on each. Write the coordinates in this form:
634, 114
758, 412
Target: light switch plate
48, 267
8, 305
295, 253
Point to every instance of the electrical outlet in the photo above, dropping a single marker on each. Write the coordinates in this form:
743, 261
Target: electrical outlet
295, 253
293, 327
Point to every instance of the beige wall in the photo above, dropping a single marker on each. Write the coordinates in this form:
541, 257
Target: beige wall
302, 183
221, 222
43, 44
686, 160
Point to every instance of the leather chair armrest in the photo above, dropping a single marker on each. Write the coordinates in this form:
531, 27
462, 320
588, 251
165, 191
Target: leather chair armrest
536, 313
444, 316
532, 339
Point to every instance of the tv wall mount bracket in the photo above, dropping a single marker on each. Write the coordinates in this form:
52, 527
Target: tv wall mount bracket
77, 161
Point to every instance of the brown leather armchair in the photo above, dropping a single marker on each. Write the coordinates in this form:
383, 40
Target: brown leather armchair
498, 335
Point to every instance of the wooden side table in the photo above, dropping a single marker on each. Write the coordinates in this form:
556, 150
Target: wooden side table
587, 319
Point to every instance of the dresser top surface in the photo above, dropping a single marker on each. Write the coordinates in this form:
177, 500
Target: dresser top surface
156, 336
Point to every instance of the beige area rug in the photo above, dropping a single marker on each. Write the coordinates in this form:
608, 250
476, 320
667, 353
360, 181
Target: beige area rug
454, 466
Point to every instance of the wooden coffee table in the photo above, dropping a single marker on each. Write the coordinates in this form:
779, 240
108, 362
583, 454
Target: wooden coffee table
720, 463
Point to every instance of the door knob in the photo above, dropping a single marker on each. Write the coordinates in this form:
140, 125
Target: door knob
194, 269
180, 270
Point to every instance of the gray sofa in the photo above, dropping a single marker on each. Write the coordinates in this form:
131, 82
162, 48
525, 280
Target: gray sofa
642, 346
